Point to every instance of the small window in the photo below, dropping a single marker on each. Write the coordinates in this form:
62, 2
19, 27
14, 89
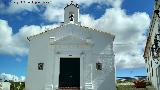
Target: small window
40, 66
99, 66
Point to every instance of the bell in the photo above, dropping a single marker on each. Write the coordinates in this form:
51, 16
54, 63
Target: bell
71, 17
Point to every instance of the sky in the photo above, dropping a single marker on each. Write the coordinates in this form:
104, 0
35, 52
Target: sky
128, 20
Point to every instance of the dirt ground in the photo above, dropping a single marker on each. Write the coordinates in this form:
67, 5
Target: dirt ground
122, 87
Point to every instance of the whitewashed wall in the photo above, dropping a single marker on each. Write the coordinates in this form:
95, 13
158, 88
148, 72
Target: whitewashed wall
90, 45
155, 79
5, 86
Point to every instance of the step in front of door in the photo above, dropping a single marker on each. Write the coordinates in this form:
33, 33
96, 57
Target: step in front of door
69, 88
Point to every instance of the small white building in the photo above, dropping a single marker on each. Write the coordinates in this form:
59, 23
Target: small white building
5, 85
152, 49
71, 57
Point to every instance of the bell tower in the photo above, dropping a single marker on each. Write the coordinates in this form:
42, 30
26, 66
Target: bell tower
71, 13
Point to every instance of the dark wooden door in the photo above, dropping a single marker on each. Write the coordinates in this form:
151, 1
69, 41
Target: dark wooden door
69, 72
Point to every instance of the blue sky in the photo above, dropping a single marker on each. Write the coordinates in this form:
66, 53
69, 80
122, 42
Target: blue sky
17, 63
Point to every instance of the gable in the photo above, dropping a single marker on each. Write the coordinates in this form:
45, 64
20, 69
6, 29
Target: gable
74, 26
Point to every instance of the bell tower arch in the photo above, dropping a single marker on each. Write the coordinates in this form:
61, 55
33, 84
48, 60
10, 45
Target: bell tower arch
71, 13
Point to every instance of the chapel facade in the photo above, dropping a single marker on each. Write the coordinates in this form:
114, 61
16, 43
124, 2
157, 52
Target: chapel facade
71, 57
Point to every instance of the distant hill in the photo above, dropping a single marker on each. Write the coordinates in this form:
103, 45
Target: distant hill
132, 78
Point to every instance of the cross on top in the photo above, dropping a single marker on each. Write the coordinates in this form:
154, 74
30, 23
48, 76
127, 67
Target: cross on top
71, 2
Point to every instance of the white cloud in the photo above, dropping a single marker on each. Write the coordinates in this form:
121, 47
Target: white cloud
129, 31
22, 78
4, 76
7, 44
17, 44
5, 36
87, 20
54, 14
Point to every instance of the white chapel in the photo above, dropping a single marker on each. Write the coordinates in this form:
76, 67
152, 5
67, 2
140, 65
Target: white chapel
71, 57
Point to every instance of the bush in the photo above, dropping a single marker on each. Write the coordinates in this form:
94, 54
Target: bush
17, 86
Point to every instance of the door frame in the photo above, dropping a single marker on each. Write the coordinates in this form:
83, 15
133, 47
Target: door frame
57, 67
